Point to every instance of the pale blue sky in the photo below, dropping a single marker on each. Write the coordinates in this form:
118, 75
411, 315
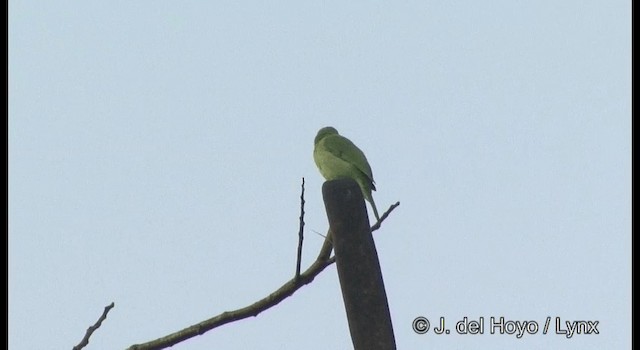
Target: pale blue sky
156, 151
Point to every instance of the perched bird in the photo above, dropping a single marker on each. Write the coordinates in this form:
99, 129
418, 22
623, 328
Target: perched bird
337, 157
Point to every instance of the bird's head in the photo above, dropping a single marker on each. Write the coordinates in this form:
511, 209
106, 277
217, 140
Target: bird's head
327, 130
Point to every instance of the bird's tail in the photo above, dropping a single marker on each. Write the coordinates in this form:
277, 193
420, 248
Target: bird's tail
375, 210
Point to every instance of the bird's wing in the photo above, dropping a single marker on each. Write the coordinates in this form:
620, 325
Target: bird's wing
343, 148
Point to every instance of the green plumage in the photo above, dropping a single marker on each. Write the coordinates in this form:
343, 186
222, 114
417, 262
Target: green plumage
337, 157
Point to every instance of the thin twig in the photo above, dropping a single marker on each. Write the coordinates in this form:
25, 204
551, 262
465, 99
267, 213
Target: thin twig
300, 232
384, 216
85, 341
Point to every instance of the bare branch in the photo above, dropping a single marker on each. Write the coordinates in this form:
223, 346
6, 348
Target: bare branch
85, 341
254, 309
322, 261
300, 232
384, 216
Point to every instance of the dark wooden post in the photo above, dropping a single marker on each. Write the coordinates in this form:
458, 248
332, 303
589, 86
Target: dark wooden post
365, 299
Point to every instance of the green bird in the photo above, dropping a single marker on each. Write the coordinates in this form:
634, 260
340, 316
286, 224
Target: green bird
337, 157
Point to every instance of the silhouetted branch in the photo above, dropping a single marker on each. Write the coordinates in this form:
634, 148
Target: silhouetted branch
322, 261
300, 231
254, 309
93, 328
384, 216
